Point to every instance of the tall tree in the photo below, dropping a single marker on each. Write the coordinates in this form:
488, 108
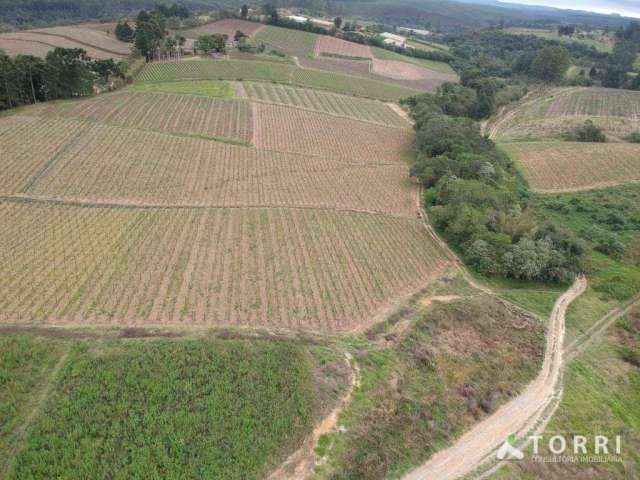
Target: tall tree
550, 64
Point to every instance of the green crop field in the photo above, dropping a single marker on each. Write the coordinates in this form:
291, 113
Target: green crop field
205, 88
273, 72
360, 108
135, 408
291, 42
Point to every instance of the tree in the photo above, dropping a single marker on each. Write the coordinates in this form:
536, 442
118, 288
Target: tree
244, 12
272, 12
208, 43
550, 64
589, 132
337, 22
67, 73
30, 72
124, 32
105, 68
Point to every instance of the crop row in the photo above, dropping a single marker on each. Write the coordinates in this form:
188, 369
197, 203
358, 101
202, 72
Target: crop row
293, 268
360, 108
118, 165
291, 42
28, 148
186, 114
566, 166
274, 72
598, 102
337, 46
316, 134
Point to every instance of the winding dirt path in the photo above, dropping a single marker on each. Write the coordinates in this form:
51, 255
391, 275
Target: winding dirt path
300, 464
519, 416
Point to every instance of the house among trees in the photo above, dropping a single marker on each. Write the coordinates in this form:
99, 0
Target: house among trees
393, 39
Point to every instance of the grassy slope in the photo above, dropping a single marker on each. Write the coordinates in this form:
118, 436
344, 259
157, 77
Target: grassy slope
291, 42
205, 88
595, 217
187, 408
429, 374
24, 365
602, 394
273, 72
382, 54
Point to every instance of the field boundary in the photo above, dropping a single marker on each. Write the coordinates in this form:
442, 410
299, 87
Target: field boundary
35, 407
21, 198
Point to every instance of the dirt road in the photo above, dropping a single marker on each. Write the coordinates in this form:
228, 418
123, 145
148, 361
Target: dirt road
519, 416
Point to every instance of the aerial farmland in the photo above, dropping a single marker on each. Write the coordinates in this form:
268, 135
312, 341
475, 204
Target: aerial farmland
257, 244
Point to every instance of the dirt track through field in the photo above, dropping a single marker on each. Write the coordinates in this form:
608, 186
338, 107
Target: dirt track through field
520, 415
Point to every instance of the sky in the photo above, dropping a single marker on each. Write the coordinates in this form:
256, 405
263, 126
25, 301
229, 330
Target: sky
628, 8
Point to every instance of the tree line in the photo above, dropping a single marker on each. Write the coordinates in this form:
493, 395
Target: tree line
476, 197
63, 73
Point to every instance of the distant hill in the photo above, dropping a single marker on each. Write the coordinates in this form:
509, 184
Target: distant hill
440, 14
449, 14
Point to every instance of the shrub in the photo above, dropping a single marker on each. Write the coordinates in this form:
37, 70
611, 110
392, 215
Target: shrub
589, 132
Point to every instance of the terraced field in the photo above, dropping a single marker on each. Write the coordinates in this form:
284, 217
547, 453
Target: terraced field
562, 110
128, 210
290, 268
291, 42
336, 46
312, 134
273, 72
571, 166
37, 42
180, 114
148, 168
363, 109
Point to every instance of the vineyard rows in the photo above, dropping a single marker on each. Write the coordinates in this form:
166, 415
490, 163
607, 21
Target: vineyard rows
29, 42
308, 269
566, 166
291, 42
317, 134
597, 102
186, 114
23, 158
359, 108
337, 46
274, 72
147, 168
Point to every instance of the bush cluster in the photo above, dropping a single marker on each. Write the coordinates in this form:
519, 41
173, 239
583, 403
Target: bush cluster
478, 201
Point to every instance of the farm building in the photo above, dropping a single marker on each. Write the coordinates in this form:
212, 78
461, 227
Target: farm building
415, 30
393, 39
321, 23
298, 18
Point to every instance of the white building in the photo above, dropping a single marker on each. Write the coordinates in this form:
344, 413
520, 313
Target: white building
298, 18
393, 39
424, 33
321, 23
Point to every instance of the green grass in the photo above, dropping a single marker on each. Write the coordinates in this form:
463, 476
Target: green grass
193, 408
383, 54
204, 88
24, 364
291, 42
439, 375
272, 72
598, 217
601, 396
